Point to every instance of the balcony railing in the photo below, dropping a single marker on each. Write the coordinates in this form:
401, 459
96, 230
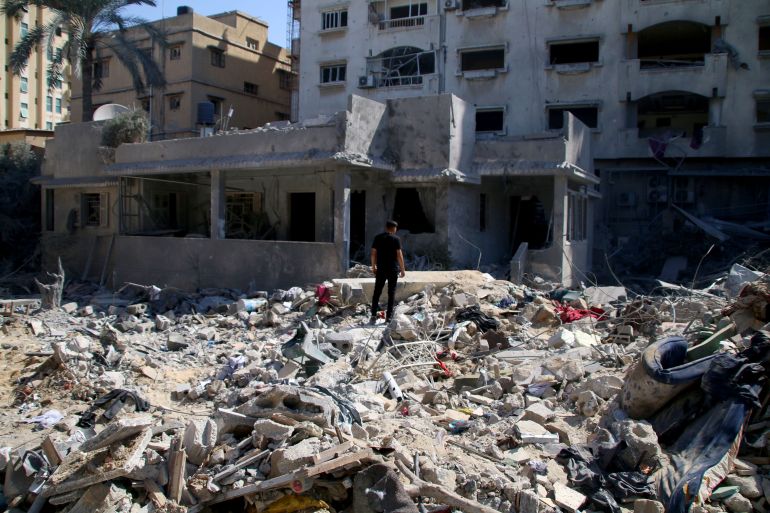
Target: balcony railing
402, 23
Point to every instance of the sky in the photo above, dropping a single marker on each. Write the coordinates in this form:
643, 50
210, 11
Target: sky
272, 11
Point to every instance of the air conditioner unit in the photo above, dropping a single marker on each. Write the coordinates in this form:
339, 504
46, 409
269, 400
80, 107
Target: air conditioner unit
366, 82
451, 5
658, 195
626, 199
684, 196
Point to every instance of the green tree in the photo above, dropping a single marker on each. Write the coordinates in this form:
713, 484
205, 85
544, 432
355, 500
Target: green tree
93, 26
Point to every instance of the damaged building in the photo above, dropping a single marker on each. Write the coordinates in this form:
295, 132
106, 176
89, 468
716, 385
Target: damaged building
675, 93
292, 203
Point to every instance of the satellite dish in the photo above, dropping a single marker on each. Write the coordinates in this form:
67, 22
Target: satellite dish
109, 111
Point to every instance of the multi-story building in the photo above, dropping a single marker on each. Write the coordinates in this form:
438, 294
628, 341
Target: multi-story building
224, 59
676, 92
30, 102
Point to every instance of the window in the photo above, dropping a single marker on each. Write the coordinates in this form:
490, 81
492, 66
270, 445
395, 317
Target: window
24, 111
588, 114
414, 209
484, 59
145, 103
102, 68
252, 44
49, 210
58, 105
284, 79
333, 73
334, 19
490, 120
404, 65
24, 30
49, 53
48, 125
24, 85
482, 212
175, 52
175, 102
408, 11
478, 4
577, 217
91, 209
764, 38
244, 217
575, 52
49, 103
763, 111
54, 84
217, 57
250, 88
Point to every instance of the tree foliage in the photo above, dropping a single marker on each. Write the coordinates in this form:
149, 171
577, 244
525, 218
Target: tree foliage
126, 127
93, 28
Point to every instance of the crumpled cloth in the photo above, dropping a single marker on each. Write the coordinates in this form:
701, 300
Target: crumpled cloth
473, 313
323, 294
569, 314
47, 420
113, 402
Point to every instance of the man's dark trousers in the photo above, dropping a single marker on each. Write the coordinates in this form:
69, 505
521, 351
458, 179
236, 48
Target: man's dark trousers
379, 283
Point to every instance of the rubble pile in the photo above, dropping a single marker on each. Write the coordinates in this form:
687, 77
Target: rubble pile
478, 396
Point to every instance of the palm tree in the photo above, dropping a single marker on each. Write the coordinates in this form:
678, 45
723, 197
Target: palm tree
93, 26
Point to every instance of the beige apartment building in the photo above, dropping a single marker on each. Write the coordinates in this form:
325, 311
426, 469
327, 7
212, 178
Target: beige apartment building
676, 92
224, 59
29, 102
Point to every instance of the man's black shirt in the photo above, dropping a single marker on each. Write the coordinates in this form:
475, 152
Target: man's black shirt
386, 245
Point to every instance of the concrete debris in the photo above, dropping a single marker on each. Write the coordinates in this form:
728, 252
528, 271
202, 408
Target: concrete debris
283, 400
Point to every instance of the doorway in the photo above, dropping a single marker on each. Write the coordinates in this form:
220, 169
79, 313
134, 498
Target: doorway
358, 226
302, 216
528, 223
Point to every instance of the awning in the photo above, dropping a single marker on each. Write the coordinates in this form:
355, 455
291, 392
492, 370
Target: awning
86, 181
514, 168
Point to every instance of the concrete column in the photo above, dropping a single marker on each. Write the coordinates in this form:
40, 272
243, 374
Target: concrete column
217, 204
715, 112
560, 220
342, 217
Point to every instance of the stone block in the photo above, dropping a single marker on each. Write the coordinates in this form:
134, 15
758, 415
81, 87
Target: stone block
176, 342
289, 459
116, 431
294, 402
200, 437
587, 403
70, 308
341, 341
539, 413
162, 323
563, 337
272, 430
648, 506
568, 498
749, 486
738, 504
137, 309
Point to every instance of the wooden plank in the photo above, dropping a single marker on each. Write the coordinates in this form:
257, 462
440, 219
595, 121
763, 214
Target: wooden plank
243, 462
331, 453
336, 463
177, 460
51, 452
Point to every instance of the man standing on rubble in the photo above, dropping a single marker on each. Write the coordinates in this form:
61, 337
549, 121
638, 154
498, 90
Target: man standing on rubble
387, 265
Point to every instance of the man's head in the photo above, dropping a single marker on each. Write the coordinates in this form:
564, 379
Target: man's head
391, 226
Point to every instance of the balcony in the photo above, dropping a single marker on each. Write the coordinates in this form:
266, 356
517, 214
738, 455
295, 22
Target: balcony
702, 79
646, 13
403, 23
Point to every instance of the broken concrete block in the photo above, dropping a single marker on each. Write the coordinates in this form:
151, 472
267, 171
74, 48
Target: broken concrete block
583, 339
533, 433
286, 460
341, 341
568, 498
749, 486
563, 337
648, 506
294, 402
137, 309
116, 431
102, 498
642, 444
546, 314
568, 368
271, 430
539, 413
162, 323
86, 311
36, 326
737, 503
70, 308
200, 437
176, 342
289, 370
528, 502
605, 387
209, 333
587, 403
79, 344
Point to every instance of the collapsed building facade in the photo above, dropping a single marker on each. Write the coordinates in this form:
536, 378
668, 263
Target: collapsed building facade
295, 203
675, 92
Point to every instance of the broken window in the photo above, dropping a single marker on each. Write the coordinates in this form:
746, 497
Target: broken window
165, 211
577, 217
764, 38
252, 44
102, 68
91, 209
672, 114
490, 120
250, 88
334, 19
482, 59
217, 57
333, 73
763, 110
414, 209
175, 52
400, 66
478, 4
674, 44
588, 114
409, 11
284, 79
302, 216
574, 52
175, 102
245, 217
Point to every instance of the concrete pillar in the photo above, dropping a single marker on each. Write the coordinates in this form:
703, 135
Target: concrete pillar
342, 217
217, 204
715, 112
560, 220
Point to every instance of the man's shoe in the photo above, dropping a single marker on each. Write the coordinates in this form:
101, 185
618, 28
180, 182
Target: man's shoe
372, 320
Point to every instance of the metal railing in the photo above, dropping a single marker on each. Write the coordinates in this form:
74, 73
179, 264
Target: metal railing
401, 23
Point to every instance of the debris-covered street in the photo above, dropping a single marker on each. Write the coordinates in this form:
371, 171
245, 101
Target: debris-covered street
479, 396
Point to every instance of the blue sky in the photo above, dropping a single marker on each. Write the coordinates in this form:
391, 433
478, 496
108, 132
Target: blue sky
272, 11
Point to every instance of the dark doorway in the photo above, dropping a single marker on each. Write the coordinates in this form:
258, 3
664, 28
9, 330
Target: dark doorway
528, 223
358, 226
302, 216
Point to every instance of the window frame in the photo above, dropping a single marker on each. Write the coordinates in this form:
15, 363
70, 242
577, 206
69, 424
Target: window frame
332, 67
102, 68
566, 107
251, 88
284, 79
175, 101
492, 108
462, 52
23, 85
252, 44
566, 42
175, 52
577, 216
57, 105
335, 19
765, 26
24, 110
91, 211
49, 104
217, 57
762, 123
